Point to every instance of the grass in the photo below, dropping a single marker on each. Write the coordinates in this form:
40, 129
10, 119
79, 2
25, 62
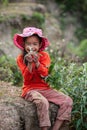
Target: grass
18, 8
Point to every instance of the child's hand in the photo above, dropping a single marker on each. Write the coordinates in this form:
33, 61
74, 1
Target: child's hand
35, 57
29, 58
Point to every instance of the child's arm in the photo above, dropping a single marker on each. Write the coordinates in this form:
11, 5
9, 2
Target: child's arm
43, 64
24, 69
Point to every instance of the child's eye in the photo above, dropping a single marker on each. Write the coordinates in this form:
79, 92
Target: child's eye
36, 43
27, 43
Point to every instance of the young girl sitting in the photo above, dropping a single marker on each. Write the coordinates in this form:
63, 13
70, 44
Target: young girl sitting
34, 63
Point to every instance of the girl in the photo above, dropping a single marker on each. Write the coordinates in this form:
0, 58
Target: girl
34, 64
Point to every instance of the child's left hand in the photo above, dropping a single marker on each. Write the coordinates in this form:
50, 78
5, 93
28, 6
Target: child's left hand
36, 59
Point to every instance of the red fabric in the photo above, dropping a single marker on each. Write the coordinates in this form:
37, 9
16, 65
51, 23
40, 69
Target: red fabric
33, 80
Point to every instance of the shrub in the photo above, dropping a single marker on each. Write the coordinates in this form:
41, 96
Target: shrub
9, 71
77, 8
39, 18
5, 2
82, 49
71, 79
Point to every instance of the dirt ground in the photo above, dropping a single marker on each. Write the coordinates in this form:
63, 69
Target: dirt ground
8, 92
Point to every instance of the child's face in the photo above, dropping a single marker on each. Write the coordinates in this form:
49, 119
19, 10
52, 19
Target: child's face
33, 43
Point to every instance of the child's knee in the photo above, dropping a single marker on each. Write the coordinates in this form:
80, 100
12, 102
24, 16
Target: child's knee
42, 102
69, 101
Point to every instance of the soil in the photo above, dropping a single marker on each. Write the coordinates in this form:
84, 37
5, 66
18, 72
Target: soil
8, 92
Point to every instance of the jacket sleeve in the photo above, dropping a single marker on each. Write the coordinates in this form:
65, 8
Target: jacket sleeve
44, 64
23, 68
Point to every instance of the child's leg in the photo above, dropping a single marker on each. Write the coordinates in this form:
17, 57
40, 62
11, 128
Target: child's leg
58, 124
64, 125
64, 102
44, 128
42, 108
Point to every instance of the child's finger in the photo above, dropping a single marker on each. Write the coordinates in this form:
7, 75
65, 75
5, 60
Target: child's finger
35, 58
29, 58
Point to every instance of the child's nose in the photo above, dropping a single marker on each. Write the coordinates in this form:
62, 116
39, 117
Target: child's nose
31, 45
29, 48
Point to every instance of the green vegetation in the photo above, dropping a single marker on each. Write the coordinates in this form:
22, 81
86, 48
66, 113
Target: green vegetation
77, 8
2, 19
80, 50
71, 79
9, 71
37, 19
5, 2
5, 18
40, 18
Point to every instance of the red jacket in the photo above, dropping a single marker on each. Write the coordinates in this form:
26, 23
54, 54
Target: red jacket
34, 79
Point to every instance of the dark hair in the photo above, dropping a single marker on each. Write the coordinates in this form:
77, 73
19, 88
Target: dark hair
24, 51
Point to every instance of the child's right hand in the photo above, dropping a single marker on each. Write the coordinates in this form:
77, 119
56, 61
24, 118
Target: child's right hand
29, 58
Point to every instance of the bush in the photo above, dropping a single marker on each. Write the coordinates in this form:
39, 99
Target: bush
71, 79
78, 8
5, 2
39, 18
82, 49
9, 71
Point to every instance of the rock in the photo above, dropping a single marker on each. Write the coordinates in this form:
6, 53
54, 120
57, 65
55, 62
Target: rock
18, 114
40, 8
9, 118
22, 115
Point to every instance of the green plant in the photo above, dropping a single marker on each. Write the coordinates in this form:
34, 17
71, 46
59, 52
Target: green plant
2, 19
78, 9
71, 79
25, 17
82, 49
9, 71
81, 33
5, 2
39, 18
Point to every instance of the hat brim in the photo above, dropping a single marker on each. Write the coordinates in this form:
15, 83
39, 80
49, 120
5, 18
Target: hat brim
18, 41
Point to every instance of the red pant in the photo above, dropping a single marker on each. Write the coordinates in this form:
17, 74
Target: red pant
42, 98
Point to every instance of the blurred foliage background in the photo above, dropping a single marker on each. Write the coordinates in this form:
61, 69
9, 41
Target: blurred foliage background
79, 9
